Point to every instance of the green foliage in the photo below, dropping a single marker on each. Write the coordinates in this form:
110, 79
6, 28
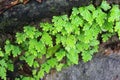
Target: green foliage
5, 64
114, 14
105, 6
60, 43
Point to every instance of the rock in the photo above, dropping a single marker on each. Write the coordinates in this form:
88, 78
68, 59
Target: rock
33, 11
99, 68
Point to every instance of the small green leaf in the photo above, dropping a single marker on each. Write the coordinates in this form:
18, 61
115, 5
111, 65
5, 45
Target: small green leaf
37, 34
46, 67
59, 66
94, 42
73, 56
46, 26
8, 48
88, 36
40, 47
7, 42
59, 55
95, 13
105, 6
52, 50
52, 62
85, 13
59, 23
3, 63
63, 40
117, 26
20, 38
35, 64
29, 31
86, 56
16, 51
69, 28
47, 39
114, 14
106, 36
108, 26
82, 44
76, 21
75, 11
100, 19
34, 72
30, 60
32, 44
91, 7
40, 74
10, 66
3, 73
70, 42
58, 39
27, 78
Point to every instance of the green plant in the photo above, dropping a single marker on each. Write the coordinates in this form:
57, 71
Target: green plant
60, 43
5, 62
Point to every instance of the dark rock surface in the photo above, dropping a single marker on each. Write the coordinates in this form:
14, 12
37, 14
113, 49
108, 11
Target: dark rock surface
100, 68
24, 14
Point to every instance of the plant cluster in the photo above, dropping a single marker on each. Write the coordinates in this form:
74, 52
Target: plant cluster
63, 41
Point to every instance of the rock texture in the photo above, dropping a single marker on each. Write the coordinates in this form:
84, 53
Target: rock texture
33, 11
100, 68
